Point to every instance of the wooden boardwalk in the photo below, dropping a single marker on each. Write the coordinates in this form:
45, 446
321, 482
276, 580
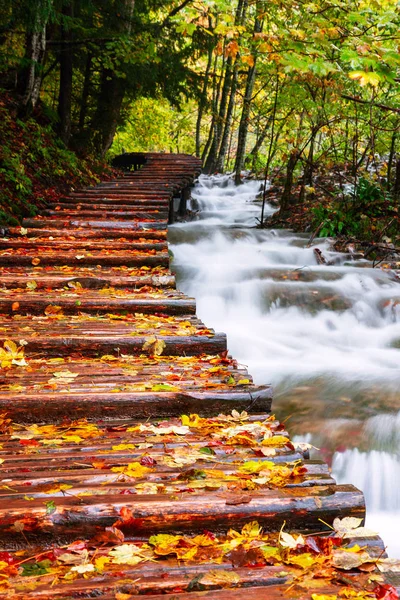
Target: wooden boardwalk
106, 490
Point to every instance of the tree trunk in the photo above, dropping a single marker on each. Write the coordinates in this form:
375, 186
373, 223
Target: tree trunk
211, 158
66, 70
286, 199
228, 120
391, 158
85, 91
30, 76
203, 97
112, 91
244, 121
259, 142
396, 186
214, 158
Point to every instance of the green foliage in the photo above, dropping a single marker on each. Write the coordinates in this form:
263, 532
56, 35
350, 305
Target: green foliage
35, 167
358, 214
153, 125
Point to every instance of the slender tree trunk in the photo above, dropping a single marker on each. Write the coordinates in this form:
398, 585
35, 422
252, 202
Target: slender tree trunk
214, 158
66, 71
259, 142
391, 158
203, 97
208, 143
244, 121
112, 92
30, 76
85, 91
211, 158
228, 121
286, 199
244, 124
396, 186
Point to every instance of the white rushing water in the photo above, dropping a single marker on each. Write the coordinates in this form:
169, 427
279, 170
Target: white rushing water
326, 337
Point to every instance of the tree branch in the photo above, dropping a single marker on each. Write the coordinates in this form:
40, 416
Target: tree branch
175, 11
376, 104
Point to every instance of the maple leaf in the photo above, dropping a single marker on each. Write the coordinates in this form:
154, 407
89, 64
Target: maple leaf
349, 527
83, 568
348, 559
11, 354
128, 554
286, 540
110, 535
134, 469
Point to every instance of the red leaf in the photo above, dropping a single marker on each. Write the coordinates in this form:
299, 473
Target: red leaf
386, 592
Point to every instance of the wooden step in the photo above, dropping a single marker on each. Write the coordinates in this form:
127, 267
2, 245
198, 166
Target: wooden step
104, 225
45, 244
87, 233
109, 213
129, 258
139, 405
105, 300
91, 277
61, 335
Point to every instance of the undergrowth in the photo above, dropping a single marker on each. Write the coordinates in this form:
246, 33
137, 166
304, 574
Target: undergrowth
363, 211
35, 166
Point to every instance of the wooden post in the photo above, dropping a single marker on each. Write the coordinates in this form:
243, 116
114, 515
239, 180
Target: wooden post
185, 195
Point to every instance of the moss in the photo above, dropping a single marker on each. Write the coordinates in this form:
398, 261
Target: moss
36, 168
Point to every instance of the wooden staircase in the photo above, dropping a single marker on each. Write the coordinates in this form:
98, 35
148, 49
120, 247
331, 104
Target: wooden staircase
101, 358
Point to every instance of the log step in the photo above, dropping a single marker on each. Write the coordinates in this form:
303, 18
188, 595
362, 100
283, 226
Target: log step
61, 335
134, 225
106, 300
301, 511
129, 258
95, 277
87, 233
107, 213
138, 405
44, 244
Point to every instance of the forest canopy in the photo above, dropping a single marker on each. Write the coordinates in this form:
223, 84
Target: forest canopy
250, 84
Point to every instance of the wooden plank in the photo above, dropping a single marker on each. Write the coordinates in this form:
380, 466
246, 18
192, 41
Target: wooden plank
47, 407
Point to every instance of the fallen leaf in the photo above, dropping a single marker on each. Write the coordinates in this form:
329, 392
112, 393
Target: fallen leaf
153, 346
220, 578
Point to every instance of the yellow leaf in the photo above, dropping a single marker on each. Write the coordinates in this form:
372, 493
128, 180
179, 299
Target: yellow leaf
248, 60
153, 346
221, 578
127, 554
52, 310
101, 562
124, 447
57, 487
65, 374
323, 597
134, 469
366, 78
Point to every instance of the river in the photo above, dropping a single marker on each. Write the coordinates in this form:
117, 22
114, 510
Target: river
326, 337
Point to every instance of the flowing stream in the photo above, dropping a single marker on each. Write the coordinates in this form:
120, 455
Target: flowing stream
326, 337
